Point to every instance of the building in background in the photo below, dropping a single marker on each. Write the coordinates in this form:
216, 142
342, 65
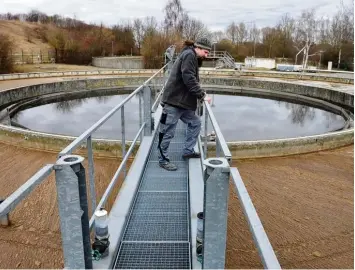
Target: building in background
267, 63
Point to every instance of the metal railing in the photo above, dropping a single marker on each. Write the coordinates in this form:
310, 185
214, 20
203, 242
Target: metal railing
76, 222
221, 144
223, 56
71, 230
217, 174
261, 240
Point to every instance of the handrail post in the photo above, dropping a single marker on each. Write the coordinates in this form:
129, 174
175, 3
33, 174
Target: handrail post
4, 220
147, 110
123, 139
91, 174
205, 150
73, 212
140, 94
215, 207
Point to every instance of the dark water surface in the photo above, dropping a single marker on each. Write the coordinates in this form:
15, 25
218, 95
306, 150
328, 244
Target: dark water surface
240, 118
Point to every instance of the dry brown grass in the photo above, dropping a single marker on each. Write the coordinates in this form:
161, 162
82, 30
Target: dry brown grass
19, 33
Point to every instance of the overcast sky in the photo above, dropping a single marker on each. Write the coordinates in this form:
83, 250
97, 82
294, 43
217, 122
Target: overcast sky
216, 14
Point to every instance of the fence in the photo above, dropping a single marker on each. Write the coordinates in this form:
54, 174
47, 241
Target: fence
33, 57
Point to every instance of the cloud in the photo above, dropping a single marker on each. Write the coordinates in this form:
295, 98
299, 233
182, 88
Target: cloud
217, 15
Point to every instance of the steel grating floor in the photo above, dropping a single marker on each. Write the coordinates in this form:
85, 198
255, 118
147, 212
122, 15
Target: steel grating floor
157, 232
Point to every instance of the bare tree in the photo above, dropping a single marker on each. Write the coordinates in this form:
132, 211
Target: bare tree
217, 36
286, 26
324, 26
242, 33
150, 25
306, 32
174, 14
270, 38
194, 29
254, 36
232, 32
342, 28
138, 31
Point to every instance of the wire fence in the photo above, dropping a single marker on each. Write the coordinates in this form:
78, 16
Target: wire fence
33, 57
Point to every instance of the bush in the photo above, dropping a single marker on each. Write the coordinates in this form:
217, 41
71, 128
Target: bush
154, 46
6, 45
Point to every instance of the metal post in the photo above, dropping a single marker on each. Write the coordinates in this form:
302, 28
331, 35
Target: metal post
205, 139
4, 220
74, 220
123, 147
147, 110
140, 114
166, 70
218, 148
8, 116
215, 205
91, 175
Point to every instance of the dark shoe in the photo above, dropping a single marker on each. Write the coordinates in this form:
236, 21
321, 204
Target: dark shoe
168, 166
192, 155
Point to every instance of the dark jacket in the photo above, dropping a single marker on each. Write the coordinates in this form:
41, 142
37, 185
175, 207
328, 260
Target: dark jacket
183, 88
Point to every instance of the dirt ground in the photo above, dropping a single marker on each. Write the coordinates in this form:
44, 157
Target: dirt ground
33, 239
305, 203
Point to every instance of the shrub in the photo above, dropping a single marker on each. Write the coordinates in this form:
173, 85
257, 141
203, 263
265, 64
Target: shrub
6, 45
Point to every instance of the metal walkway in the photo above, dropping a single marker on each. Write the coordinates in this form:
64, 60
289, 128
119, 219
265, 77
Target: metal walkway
157, 232
153, 223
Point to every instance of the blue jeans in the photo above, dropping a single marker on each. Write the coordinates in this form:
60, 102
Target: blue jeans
168, 122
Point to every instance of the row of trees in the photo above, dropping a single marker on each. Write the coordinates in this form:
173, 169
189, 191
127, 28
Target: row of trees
311, 37
331, 37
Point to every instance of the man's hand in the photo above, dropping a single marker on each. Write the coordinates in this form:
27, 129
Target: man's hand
208, 99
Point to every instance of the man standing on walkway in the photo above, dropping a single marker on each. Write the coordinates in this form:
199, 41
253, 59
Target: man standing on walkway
182, 91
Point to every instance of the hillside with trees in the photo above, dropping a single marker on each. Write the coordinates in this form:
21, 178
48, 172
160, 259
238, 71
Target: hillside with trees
76, 42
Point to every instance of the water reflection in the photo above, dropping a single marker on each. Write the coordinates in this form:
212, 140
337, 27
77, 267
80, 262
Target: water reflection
251, 118
330, 118
240, 117
67, 106
299, 113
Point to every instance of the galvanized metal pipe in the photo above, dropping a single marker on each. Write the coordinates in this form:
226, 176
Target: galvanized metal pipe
73, 212
115, 177
140, 113
15, 198
215, 208
147, 81
98, 124
218, 148
147, 110
224, 147
206, 130
91, 174
4, 219
123, 139
261, 240
157, 101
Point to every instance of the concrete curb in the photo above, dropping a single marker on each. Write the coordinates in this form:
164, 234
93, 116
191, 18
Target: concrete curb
243, 149
234, 73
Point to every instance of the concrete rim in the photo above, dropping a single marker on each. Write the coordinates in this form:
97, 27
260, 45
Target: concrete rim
239, 149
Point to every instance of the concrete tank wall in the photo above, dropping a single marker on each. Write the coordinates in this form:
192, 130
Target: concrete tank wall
124, 62
243, 149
